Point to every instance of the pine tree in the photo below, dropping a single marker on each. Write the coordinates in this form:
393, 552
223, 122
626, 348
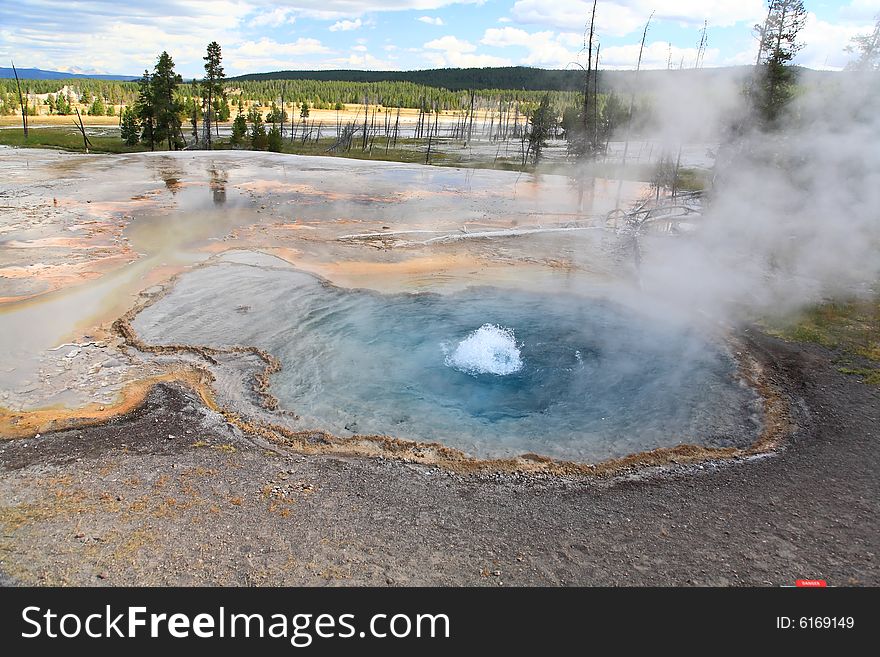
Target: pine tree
97, 107
167, 107
212, 86
540, 123
129, 128
239, 129
145, 111
259, 139
223, 109
273, 140
778, 46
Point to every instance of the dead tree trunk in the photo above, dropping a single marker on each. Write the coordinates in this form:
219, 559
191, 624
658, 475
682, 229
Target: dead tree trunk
471, 122
21, 102
632, 102
366, 117
82, 129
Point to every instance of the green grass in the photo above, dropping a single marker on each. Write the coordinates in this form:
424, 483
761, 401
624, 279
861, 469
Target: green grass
850, 328
412, 154
692, 180
67, 139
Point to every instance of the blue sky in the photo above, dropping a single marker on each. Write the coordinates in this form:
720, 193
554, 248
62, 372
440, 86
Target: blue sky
108, 36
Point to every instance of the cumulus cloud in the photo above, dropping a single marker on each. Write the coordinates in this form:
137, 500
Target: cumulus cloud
623, 17
825, 42
450, 43
275, 18
365, 60
267, 54
346, 26
431, 20
452, 51
338, 9
657, 55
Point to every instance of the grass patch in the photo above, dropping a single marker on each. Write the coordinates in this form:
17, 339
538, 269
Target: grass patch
849, 328
692, 180
66, 139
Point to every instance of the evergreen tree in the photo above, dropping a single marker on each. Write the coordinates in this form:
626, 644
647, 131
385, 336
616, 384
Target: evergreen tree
97, 107
130, 129
145, 111
259, 139
778, 45
273, 139
212, 86
239, 129
223, 109
540, 124
304, 111
167, 107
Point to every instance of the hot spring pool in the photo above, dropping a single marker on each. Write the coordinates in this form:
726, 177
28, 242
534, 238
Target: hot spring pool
492, 372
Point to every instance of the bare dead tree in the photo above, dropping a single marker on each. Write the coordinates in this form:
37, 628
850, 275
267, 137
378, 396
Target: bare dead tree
471, 119
366, 117
82, 129
21, 102
431, 135
282, 111
632, 102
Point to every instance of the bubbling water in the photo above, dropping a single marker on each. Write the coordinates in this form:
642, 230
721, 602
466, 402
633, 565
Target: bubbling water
491, 349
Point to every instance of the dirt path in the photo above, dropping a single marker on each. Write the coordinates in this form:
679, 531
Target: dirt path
170, 494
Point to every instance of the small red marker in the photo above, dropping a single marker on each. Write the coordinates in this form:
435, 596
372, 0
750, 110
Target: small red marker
811, 583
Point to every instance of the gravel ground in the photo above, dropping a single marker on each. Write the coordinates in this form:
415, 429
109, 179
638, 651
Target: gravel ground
171, 494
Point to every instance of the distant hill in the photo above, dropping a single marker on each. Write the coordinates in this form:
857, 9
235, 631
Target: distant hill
510, 77
40, 74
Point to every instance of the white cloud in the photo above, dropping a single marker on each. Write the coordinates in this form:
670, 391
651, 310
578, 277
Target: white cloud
623, 17
501, 37
431, 20
265, 47
359, 48
452, 51
546, 48
368, 61
657, 55
346, 26
275, 18
338, 9
825, 42
450, 43
560, 50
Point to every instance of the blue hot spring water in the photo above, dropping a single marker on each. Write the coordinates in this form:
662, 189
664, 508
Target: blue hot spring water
493, 372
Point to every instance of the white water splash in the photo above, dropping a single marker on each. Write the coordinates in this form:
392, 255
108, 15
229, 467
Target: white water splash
490, 349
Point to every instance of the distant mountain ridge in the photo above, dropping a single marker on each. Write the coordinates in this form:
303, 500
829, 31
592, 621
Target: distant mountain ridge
40, 74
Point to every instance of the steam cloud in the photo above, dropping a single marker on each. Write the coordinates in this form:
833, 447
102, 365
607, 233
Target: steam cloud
793, 216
